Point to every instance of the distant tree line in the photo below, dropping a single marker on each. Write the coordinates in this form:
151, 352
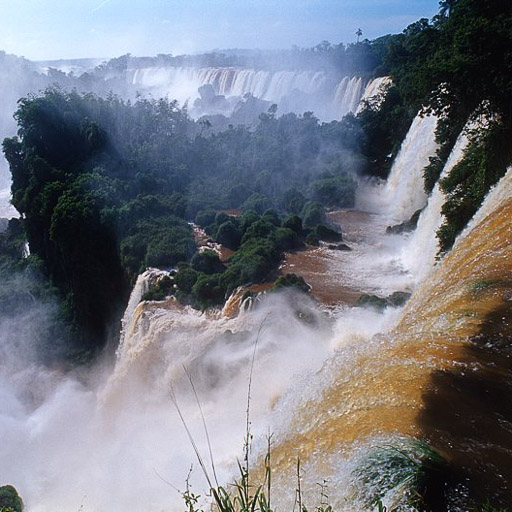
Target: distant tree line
361, 58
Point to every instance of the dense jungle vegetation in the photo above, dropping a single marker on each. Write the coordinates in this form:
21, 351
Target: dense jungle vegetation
108, 187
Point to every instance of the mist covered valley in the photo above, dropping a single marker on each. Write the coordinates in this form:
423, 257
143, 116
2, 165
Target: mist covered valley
295, 259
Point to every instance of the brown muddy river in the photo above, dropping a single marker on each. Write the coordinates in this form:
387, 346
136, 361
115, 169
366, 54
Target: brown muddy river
341, 277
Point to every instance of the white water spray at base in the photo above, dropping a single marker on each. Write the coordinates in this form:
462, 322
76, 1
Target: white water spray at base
403, 193
419, 255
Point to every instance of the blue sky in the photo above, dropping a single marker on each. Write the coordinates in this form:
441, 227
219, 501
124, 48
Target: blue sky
51, 29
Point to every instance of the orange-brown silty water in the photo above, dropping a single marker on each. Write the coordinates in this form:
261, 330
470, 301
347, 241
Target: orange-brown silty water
443, 374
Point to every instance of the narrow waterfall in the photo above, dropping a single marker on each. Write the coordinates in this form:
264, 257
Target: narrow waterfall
347, 96
140, 288
419, 254
375, 88
403, 193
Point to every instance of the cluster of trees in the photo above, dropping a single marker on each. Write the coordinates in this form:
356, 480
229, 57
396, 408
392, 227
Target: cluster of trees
107, 188
259, 242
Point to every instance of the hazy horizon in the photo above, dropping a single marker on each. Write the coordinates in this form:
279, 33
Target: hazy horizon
63, 29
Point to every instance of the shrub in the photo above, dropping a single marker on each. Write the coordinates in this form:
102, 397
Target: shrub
237, 194
313, 213
186, 278
10, 499
257, 202
221, 217
271, 216
228, 234
286, 239
373, 301
247, 219
293, 201
259, 229
205, 217
207, 262
294, 222
208, 291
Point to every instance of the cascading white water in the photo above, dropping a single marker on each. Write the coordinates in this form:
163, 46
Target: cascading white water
375, 90
404, 188
141, 287
291, 90
403, 193
498, 194
419, 254
114, 442
347, 96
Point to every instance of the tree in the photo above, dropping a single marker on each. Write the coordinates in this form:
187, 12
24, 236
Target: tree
228, 235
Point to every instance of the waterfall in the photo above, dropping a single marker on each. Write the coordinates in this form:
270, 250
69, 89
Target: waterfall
347, 96
142, 285
293, 91
72, 442
403, 193
376, 88
420, 252
440, 375
404, 190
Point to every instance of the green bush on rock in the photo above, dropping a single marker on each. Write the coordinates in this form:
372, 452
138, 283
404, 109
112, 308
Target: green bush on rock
10, 499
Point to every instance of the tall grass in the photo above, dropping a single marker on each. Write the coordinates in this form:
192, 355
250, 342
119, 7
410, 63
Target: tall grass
404, 477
